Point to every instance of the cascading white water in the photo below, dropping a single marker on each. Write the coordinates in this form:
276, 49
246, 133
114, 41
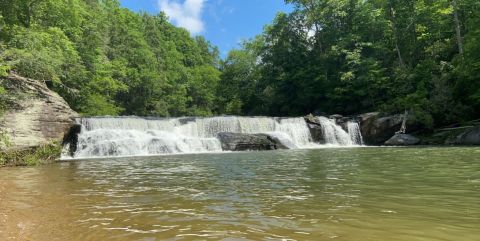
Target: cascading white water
355, 133
296, 128
134, 136
128, 136
335, 135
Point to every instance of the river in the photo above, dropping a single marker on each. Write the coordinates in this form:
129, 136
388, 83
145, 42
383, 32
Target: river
323, 194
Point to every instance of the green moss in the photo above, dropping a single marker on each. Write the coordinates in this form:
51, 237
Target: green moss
31, 157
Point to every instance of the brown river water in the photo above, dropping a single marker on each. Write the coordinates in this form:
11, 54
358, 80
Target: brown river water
325, 194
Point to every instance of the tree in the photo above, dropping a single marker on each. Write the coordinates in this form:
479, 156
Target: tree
457, 27
104, 59
236, 91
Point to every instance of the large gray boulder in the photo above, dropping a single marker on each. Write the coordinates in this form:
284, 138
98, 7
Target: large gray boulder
35, 115
402, 140
377, 129
249, 142
469, 137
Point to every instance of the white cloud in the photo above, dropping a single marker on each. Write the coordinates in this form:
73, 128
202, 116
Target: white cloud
186, 15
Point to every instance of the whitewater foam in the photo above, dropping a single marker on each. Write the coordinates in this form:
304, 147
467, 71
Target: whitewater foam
135, 136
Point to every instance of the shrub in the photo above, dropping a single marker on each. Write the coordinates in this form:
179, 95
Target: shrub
31, 157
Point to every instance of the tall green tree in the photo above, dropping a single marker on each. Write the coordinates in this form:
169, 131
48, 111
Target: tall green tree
107, 60
353, 56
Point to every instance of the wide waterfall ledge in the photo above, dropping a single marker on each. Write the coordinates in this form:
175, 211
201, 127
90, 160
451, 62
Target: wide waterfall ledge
99, 137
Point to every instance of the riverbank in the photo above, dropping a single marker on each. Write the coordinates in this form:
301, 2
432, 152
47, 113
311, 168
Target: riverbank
33, 122
33, 156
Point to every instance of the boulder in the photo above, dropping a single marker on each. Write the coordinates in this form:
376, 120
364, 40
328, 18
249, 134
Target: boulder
35, 115
343, 122
315, 128
377, 129
316, 131
311, 119
249, 142
70, 141
402, 140
469, 137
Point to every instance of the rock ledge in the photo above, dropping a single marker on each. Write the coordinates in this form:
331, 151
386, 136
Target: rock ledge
36, 115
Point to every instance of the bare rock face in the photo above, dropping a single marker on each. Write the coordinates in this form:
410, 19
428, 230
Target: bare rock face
35, 115
402, 140
249, 142
316, 129
376, 129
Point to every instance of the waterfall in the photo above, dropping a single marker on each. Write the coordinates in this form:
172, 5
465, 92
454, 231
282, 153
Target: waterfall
333, 133
128, 136
355, 133
135, 136
336, 135
297, 129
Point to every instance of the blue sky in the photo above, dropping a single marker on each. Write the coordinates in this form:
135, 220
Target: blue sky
223, 22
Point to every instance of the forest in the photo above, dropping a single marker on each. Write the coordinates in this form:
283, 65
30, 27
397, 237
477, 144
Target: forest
324, 57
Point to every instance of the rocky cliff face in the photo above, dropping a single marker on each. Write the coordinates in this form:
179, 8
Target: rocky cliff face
34, 115
377, 129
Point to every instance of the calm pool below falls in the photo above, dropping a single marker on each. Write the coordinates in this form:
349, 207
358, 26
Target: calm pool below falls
324, 194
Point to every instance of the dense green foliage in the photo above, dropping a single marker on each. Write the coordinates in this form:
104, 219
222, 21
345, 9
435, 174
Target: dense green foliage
330, 56
107, 60
353, 56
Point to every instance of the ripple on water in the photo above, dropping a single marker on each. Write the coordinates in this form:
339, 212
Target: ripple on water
340, 194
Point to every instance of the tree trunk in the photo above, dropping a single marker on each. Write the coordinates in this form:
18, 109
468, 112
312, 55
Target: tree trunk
310, 8
28, 16
413, 25
29, 13
457, 27
395, 34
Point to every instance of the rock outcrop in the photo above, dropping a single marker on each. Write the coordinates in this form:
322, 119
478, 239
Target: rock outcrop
469, 137
70, 140
402, 140
35, 115
376, 130
249, 142
315, 128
